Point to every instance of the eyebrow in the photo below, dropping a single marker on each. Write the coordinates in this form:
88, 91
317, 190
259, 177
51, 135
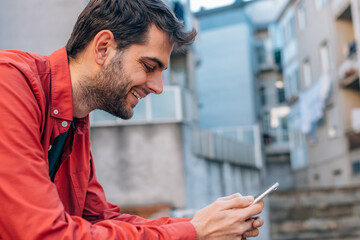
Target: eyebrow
159, 63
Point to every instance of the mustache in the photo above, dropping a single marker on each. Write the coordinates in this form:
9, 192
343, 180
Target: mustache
145, 90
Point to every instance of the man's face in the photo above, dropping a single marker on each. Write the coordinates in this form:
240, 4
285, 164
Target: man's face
131, 75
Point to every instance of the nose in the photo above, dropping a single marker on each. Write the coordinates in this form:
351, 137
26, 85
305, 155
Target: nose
155, 83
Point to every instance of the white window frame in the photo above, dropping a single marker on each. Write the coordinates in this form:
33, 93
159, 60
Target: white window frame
302, 21
320, 4
307, 75
324, 57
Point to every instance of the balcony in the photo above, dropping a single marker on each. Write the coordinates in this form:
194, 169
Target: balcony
249, 136
267, 58
349, 69
275, 133
173, 105
276, 142
353, 140
353, 127
340, 6
218, 147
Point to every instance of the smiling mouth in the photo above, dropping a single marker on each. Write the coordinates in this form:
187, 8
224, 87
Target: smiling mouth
135, 94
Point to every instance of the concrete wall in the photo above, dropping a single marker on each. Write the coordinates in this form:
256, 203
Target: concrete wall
328, 162
310, 38
329, 214
36, 25
140, 164
221, 18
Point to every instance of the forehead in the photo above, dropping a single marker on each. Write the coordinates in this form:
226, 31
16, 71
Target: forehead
157, 46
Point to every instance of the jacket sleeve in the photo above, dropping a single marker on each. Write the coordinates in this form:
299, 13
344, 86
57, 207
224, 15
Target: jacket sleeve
29, 202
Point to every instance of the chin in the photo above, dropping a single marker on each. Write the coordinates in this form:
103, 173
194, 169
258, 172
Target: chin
121, 113
126, 117
125, 114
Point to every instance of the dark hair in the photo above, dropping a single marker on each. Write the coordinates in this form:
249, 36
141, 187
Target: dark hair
129, 21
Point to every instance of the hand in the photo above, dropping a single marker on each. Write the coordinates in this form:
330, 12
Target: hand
228, 218
257, 222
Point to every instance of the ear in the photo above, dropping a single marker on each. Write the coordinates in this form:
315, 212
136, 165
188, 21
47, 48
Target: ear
104, 43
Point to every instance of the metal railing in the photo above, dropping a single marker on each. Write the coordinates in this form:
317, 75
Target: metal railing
173, 105
219, 147
249, 136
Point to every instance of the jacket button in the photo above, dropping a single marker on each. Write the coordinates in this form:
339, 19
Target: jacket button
64, 124
56, 111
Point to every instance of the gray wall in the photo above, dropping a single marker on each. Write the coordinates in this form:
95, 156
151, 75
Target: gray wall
221, 18
140, 164
155, 164
315, 214
36, 25
328, 157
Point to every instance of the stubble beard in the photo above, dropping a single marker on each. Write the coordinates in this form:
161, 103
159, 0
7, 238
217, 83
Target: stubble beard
108, 89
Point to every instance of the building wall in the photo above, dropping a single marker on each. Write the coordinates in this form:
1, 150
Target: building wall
225, 75
327, 150
287, 32
276, 149
36, 25
315, 214
140, 164
313, 35
221, 17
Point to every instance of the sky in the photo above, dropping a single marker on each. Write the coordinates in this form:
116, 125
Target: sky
258, 11
195, 5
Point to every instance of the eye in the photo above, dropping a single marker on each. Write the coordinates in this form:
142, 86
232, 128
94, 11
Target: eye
149, 68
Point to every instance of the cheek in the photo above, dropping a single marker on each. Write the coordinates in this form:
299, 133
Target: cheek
138, 78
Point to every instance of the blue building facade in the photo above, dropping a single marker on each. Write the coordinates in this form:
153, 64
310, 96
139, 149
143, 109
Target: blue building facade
225, 77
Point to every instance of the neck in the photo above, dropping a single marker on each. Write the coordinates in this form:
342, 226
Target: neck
81, 107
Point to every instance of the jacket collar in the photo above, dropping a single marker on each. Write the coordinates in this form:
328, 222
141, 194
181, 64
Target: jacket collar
61, 105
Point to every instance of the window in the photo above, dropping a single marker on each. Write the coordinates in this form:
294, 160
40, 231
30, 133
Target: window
295, 82
262, 95
260, 50
324, 57
332, 122
320, 4
267, 120
289, 31
292, 28
287, 86
281, 95
356, 168
307, 73
302, 16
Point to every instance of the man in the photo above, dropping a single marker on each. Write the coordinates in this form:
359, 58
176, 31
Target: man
48, 186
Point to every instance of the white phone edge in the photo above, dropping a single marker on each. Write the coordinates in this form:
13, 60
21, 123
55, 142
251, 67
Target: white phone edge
266, 192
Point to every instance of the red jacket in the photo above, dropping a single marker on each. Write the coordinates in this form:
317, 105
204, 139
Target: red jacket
35, 107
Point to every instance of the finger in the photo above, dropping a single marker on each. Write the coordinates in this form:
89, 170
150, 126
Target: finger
245, 227
247, 213
256, 208
258, 222
235, 195
237, 202
251, 233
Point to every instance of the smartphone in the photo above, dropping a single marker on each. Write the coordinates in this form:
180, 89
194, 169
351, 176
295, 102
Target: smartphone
265, 193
